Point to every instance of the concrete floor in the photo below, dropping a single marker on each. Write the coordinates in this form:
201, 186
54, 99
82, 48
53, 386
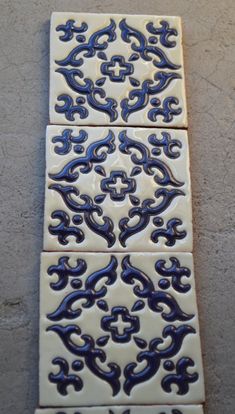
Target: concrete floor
209, 40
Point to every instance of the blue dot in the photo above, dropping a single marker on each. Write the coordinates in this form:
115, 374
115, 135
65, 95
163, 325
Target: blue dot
164, 283
169, 365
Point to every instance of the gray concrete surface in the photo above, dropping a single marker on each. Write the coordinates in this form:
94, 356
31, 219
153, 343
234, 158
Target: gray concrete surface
209, 40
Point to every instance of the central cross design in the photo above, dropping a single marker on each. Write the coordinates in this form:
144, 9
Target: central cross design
117, 69
118, 185
120, 324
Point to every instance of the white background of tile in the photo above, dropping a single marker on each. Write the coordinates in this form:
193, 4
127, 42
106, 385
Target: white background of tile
60, 50
151, 326
180, 207
209, 58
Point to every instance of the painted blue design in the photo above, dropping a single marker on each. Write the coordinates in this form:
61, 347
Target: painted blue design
176, 272
108, 185
118, 184
153, 356
88, 208
141, 343
164, 33
138, 305
63, 270
93, 155
87, 88
146, 161
63, 229
171, 233
141, 97
103, 340
130, 274
166, 143
158, 350
145, 211
107, 324
70, 29
125, 69
89, 295
92, 355
92, 46
142, 47
166, 110
63, 379
69, 108
66, 139
181, 378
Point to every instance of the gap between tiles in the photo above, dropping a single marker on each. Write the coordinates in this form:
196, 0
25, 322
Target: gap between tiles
150, 127
56, 407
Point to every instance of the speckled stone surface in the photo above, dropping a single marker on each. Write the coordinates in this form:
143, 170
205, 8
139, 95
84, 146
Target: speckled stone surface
209, 65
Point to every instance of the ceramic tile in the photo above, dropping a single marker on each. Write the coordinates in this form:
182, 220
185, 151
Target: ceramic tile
115, 189
116, 69
161, 409
119, 329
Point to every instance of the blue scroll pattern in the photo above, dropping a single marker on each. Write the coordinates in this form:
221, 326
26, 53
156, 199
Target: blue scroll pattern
84, 208
150, 47
82, 293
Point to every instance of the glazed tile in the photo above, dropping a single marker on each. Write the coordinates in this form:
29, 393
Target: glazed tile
160, 409
115, 189
119, 329
116, 69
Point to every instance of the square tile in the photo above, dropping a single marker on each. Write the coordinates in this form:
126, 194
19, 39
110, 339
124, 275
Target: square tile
157, 409
116, 189
116, 69
119, 329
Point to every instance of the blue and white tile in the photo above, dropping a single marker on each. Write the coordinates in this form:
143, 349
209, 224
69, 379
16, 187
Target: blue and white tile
119, 329
117, 189
116, 69
157, 409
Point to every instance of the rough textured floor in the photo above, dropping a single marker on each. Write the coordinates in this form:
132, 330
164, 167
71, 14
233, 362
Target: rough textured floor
209, 40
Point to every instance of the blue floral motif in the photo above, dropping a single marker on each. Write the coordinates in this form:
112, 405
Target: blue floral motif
143, 48
125, 69
164, 32
166, 143
92, 292
182, 378
69, 29
118, 185
107, 324
67, 140
147, 48
63, 379
171, 233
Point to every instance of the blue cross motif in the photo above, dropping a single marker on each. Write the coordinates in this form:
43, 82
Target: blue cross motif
120, 324
118, 185
117, 69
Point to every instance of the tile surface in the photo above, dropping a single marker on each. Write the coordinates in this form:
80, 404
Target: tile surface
119, 329
116, 69
115, 189
161, 409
